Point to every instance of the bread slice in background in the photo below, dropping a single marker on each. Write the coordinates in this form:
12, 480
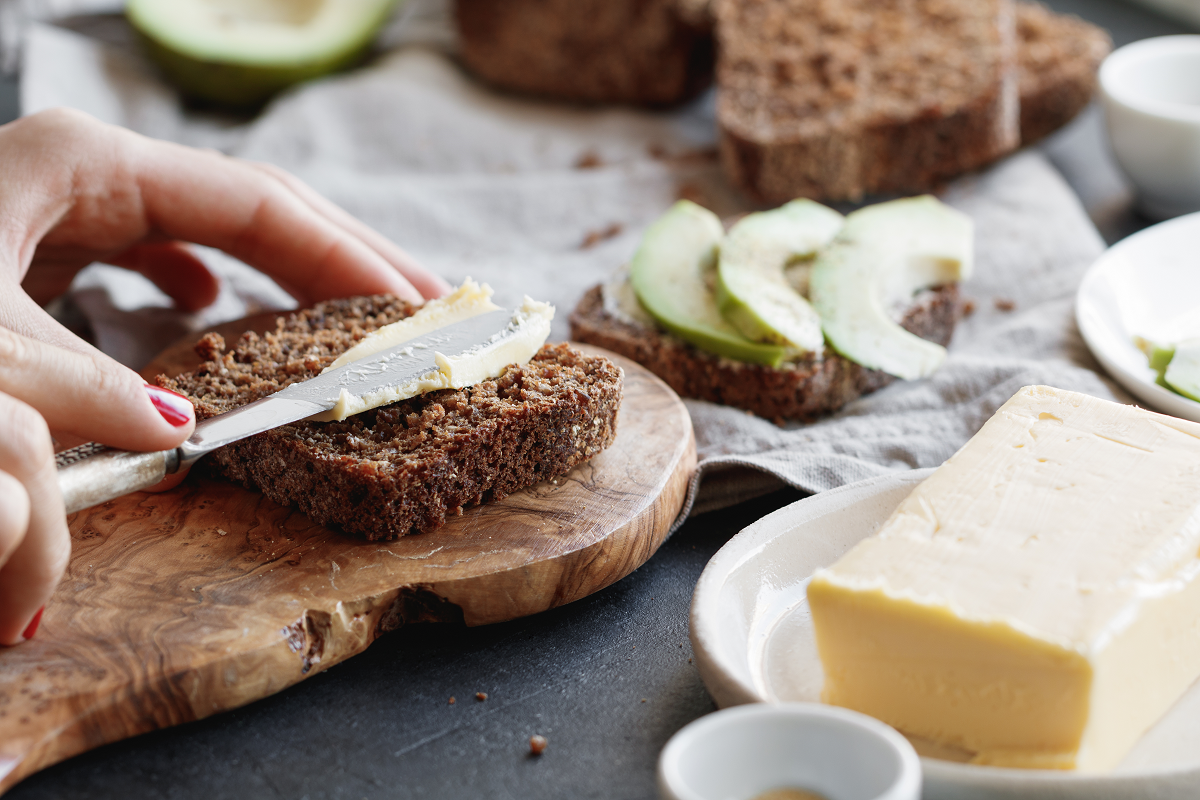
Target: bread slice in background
803, 390
1060, 58
836, 99
640, 52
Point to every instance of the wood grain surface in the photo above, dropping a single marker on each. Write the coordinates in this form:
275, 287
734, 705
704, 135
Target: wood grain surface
178, 605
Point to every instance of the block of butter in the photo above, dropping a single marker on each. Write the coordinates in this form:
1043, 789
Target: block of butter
1036, 600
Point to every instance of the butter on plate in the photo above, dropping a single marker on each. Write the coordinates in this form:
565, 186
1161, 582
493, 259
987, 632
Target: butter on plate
1036, 600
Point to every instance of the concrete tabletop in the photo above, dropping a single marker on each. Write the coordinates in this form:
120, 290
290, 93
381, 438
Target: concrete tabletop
607, 680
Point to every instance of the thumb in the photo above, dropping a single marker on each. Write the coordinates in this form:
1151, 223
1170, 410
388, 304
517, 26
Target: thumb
91, 396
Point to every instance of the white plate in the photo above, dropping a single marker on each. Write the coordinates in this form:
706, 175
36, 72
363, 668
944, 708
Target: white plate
1147, 285
752, 636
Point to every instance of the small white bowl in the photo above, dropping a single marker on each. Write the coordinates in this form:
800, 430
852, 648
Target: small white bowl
1151, 92
741, 752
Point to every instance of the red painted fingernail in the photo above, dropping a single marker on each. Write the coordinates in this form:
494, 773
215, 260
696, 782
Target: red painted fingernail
175, 408
33, 624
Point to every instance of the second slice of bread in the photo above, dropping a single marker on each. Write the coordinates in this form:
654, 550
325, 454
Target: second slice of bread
835, 99
1060, 56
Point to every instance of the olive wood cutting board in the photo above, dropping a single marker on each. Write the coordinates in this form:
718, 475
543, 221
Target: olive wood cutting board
182, 604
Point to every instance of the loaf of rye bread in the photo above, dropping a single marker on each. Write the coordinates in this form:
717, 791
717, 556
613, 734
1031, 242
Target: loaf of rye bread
641, 52
835, 100
801, 390
404, 467
1060, 57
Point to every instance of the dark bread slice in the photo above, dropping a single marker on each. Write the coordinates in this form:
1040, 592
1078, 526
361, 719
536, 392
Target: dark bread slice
802, 390
641, 52
834, 100
407, 466
1060, 57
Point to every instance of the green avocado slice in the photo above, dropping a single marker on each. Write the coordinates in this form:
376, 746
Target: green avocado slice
238, 53
752, 290
883, 256
669, 274
1182, 372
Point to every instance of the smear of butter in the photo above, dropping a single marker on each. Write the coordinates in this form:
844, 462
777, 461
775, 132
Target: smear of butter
516, 343
469, 300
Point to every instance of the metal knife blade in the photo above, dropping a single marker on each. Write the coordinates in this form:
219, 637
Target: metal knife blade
91, 474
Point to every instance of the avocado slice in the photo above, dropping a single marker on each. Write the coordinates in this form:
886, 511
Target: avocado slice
752, 290
669, 273
1182, 372
237, 53
883, 256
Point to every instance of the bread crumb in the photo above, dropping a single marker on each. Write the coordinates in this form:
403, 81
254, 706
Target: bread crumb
968, 308
537, 744
643, 699
1004, 304
481, 696
451, 701
593, 238
589, 159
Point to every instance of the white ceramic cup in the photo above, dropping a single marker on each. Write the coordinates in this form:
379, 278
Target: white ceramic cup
741, 752
1151, 92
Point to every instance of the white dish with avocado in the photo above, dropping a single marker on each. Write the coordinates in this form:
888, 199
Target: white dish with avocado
1144, 287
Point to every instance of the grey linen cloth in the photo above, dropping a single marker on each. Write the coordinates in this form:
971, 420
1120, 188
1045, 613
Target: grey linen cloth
548, 200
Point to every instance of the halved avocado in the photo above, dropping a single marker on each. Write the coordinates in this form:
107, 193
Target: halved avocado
883, 256
752, 290
237, 53
670, 272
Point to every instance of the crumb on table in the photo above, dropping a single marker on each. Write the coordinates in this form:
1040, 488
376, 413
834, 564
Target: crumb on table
594, 238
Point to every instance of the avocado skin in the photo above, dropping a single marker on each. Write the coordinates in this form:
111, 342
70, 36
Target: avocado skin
240, 87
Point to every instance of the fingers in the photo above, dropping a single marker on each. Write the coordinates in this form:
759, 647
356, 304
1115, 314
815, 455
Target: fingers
34, 543
200, 197
428, 284
175, 269
77, 190
92, 397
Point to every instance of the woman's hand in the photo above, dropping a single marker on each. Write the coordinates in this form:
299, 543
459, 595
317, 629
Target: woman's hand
74, 191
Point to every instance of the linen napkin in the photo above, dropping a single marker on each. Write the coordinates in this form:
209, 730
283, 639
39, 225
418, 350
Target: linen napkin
548, 199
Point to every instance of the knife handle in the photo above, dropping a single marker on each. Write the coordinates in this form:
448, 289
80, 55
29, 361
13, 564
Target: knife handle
92, 473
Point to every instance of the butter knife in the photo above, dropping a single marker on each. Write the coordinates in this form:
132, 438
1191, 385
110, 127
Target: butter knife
92, 473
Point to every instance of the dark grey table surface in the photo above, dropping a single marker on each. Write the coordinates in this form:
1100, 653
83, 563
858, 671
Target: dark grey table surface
606, 680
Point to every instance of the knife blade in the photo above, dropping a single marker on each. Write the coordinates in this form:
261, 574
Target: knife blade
92, 473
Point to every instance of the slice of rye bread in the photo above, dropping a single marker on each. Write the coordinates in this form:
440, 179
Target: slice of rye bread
1060, 57
640, 52
834, 99
802, 390
403, 467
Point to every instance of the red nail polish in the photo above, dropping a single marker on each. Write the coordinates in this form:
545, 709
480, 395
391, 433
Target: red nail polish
175, 408
33, 624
